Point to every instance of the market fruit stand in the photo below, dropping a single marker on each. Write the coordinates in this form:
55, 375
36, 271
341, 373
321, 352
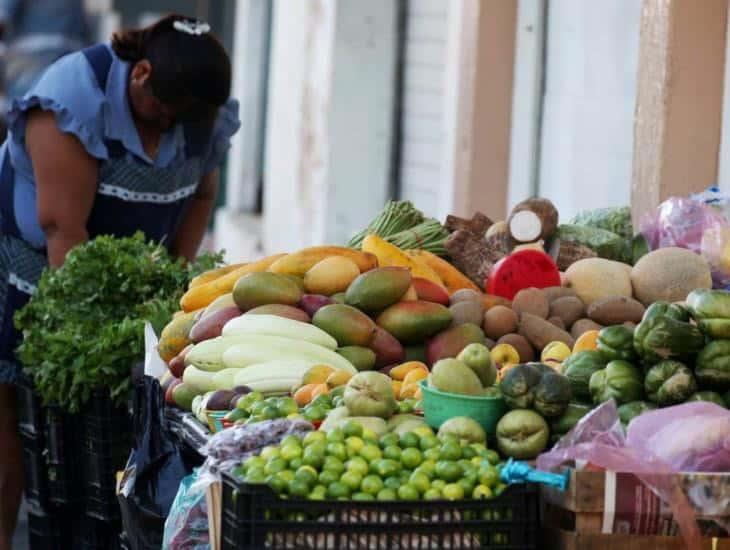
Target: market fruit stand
369, 395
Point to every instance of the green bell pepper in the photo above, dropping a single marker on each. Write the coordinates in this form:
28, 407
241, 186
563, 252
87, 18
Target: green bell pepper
708, 396
711, 310
669, 383
713, 366
620, 381
567, 421
628, 411
579, 368
617, 343
666, 333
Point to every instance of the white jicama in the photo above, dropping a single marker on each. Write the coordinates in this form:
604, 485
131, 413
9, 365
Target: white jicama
273, 376
273, 325
252, 349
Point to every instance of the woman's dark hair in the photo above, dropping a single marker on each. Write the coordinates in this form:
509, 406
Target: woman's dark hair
185, 66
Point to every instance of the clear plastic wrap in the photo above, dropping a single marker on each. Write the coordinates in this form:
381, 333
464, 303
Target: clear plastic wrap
598, 440
186, 527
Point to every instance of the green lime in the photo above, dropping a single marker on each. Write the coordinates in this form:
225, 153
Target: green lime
479, 461
423, 431
298, 488
438, 484
392, 451
371, 452
468, 453
387, 494
434, 453
338, 490
392, 482
352, 429
408, 492
269, 412
420, 481
314, 437
425, 471
337, 449
328, 476
277, 484
411, 458
432, 494
405, 407
429, 442
318, 493
489, 476
313, 457
275, 465
451, 450
291, 440
405, 475
363, 497
480, 448
286, 475
467, 466
453, 491
336, 435
409, 439
481, 492
352, 480
354, 445
369, 436
389, 440
371, 484
257, 407
290, 452
429, 466
387, 467
295, 463
323, 401
306, 474
448, 470
467, 484
499, 489
314, 413
492, 457
254, 461
255, 474
267, 453
287, 406
333, 464
449, 438
357, 465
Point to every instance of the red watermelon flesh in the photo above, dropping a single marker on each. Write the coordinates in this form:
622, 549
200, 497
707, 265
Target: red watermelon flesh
520, 270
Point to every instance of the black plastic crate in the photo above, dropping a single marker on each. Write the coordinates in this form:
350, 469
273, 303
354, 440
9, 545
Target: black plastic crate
49, 530
62, 443
30, 410
102, 503
35, 471
255, 517
92, 534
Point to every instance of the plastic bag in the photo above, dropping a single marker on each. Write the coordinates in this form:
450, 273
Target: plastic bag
715, 199
598, 439
692, 224
153, 472
694, 437
186, 527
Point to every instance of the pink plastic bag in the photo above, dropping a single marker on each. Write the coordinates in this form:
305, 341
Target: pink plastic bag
598, 439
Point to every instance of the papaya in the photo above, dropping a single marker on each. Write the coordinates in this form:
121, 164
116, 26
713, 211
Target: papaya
453, 279
213, 274
414, 322
379, 288
258, 289
176, 336
390, 255
298, 263
450, 342
202, 295
347, 325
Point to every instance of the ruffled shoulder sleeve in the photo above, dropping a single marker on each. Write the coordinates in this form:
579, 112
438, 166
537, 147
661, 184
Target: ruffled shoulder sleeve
226, 125
69, 89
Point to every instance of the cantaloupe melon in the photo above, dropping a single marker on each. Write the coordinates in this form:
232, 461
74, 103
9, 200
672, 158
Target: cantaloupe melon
669, 274
593, 279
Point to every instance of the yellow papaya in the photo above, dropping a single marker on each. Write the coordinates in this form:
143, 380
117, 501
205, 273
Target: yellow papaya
174, 337
298, 263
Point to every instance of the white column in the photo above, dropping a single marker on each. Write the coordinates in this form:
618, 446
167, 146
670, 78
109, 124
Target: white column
329, 119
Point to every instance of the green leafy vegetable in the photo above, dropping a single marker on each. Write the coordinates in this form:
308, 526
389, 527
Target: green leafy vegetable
83, 330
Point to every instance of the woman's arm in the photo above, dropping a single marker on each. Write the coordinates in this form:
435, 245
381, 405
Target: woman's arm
192, 229
66, 178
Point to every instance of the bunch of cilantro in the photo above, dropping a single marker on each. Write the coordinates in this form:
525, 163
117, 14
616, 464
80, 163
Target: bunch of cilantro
83, 330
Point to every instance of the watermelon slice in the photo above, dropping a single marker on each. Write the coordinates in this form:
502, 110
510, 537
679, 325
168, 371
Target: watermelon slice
520, 270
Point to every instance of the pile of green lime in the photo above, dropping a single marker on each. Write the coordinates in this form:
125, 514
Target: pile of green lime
255, 407
352, 463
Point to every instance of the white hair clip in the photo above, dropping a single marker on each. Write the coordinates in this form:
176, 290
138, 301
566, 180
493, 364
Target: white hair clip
195, 28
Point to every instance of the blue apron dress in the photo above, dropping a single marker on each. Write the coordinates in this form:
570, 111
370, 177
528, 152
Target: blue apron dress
131, 196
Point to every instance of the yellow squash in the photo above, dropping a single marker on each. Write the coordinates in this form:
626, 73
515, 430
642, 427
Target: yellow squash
212, 275
298, 263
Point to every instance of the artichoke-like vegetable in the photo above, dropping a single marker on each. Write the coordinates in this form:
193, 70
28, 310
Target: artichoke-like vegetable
620, 381
552, 395
518, 386
628, 411
666, 333
711, 310
669, 383
617, 343
537, 386
713, 366
579, 368
708, 396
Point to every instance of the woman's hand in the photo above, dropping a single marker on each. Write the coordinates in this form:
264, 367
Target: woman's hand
66, 178
192, 229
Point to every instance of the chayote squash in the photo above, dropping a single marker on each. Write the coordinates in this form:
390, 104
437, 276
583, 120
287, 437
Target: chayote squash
628, 411
617, 343
709, 396
620, 381
712, 367
711, 310
579, 368
552, 395
669, 383
566, 421
666, 333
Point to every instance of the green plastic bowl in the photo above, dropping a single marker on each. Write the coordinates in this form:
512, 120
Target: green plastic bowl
439, 406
